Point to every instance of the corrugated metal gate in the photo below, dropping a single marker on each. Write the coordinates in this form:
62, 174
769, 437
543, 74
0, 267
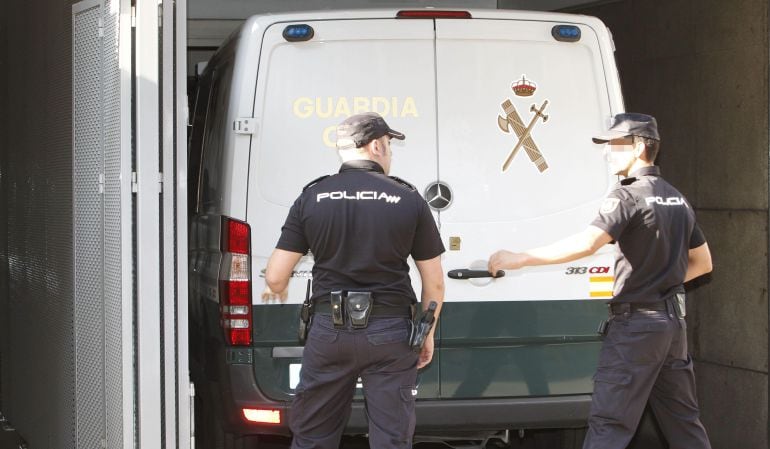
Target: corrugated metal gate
101, 224
88, 222
130, 329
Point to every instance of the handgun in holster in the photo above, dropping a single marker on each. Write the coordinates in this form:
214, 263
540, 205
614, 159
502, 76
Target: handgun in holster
305, 316
680, 305
422, 326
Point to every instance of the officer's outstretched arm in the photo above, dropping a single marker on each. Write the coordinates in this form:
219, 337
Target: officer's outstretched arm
574, 247
279, 268
699, 262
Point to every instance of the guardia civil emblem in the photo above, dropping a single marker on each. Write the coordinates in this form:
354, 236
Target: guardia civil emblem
512, 120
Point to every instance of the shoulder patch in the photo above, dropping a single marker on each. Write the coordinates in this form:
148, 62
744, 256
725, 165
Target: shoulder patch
609, 205
402, 182
628, 181
314, 182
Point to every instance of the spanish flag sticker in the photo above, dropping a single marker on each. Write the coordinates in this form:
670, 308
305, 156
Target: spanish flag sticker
601, 286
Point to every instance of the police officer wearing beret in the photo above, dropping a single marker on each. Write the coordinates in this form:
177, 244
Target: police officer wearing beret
659, 246
360, 226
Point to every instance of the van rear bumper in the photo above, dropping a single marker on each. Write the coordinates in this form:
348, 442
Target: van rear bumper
441, 416
434, 417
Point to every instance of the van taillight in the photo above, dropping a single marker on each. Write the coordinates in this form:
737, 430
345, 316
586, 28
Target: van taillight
235, 282
432, 14
237, 238
269, 416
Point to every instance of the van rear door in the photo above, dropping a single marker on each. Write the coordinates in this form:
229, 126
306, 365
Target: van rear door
304, 89
517, 109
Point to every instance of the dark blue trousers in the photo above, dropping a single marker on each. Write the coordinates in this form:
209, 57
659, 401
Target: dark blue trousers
644, 358
333, 360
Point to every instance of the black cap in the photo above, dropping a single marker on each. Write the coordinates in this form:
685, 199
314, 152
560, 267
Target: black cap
360, 129
630, 124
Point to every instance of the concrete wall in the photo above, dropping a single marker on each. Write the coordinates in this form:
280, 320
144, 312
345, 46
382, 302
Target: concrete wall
3, 188
701, 67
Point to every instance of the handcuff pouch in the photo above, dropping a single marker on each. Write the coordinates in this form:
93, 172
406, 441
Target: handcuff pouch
359, 307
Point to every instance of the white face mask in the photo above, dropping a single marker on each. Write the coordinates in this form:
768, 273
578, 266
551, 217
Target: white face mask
620, 158
620, 161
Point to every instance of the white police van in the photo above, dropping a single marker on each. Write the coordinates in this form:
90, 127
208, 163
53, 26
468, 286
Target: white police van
498, 108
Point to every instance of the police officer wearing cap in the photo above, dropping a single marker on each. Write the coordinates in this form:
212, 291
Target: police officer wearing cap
659, 246
360, 226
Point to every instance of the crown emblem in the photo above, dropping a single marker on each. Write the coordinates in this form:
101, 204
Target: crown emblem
524, 87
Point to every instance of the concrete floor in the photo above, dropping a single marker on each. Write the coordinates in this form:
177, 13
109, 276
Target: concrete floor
646, 438
11, 440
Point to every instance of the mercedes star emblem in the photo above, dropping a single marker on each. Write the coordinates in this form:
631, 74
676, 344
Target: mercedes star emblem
438, 195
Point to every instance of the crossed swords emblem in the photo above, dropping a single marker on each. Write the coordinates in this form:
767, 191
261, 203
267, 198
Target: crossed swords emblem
513, 120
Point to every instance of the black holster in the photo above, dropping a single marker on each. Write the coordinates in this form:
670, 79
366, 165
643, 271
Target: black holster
603, 327
421, 327
679, 305
338, 308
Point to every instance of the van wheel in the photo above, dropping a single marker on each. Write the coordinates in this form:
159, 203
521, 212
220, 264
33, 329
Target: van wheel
227, 440
212, 435
573, 438
208, 427
204, 424
548, 439
245, 442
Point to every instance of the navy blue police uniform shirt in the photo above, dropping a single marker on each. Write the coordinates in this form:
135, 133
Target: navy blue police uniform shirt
361, 226
654, 228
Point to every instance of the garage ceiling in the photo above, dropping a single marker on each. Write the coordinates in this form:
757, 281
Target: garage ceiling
240, 9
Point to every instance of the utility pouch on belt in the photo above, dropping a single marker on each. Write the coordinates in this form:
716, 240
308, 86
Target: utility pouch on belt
305, 316
359, 306
679, 304
421, 327
338, 314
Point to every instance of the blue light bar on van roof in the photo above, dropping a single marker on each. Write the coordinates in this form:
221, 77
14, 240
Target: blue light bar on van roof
297, 33
566, 33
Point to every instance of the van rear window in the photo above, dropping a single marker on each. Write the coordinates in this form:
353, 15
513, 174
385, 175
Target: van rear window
312, 86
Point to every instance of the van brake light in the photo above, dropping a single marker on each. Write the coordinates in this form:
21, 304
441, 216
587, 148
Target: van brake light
236, 236
432, 14
235, 282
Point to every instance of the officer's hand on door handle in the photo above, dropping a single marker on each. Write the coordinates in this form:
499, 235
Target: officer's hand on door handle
505, 260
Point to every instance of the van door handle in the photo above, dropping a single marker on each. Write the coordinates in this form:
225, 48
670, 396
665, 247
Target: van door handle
464, 273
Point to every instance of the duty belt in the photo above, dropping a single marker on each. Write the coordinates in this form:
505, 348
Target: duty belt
625, 307
324, 306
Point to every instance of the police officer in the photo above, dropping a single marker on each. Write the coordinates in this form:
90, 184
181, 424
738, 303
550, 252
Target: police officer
659, 246
361, 226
